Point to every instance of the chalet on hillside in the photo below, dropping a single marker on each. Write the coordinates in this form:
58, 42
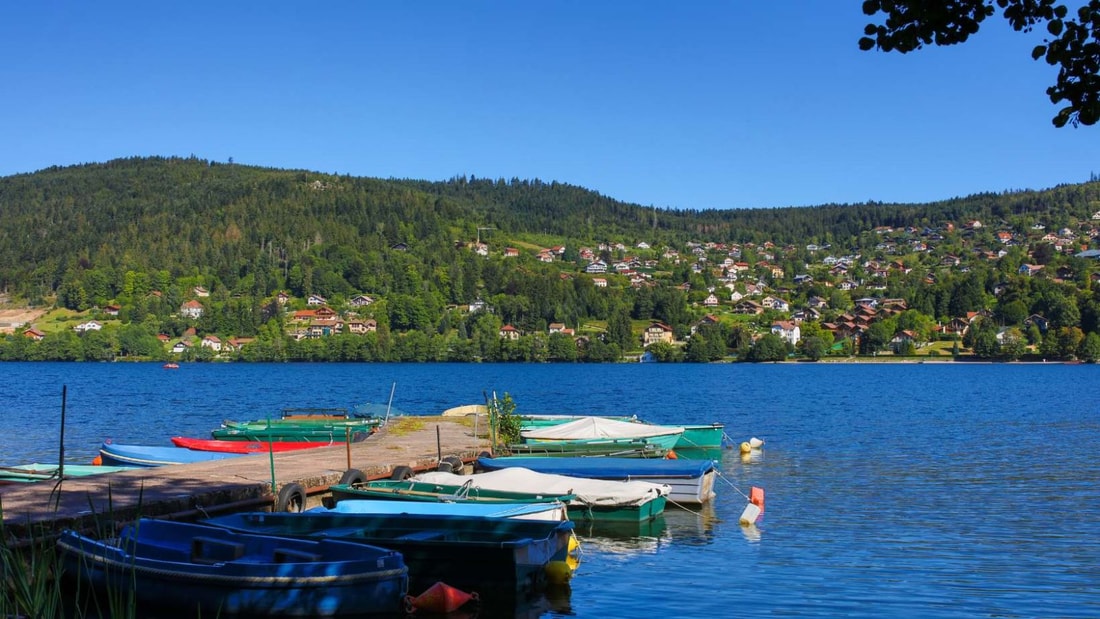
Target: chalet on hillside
657, 332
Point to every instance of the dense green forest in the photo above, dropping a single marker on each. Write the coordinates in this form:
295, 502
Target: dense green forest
140, 235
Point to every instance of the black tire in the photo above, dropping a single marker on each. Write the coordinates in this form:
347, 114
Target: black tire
352, 477
457, 466
444, 467
291, 499
401, 472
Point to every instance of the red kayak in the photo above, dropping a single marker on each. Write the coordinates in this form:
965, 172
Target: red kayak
244, 447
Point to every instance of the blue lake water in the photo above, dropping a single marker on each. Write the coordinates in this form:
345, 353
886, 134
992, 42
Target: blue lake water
930, 490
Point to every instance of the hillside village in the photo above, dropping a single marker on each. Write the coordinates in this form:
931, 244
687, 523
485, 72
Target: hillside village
746, 295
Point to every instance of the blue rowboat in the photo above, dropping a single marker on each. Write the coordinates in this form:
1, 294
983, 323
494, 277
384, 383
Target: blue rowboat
497, 557
692, 481
553, 510
114, 454
194, 570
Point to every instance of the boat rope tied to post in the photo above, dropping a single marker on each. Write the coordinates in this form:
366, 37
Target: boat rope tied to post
440, 598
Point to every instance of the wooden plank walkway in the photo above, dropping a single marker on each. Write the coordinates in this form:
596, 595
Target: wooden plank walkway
188, 491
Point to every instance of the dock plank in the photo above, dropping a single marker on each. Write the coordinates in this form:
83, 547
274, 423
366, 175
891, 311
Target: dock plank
186, 491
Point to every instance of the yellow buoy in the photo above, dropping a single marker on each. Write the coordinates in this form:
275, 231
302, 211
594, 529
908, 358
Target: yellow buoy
746, 447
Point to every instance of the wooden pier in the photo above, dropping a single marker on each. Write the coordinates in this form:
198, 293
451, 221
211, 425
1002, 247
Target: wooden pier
190, 491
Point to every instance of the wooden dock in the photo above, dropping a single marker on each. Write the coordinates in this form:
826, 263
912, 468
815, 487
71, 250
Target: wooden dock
189, 491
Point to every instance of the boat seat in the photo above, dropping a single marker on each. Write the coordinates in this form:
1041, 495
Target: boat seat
423, 536
287, 555
208, 550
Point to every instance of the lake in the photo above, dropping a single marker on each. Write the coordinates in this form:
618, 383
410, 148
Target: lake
923, 490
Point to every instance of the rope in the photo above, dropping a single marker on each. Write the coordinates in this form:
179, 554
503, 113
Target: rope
735, 488
684, 507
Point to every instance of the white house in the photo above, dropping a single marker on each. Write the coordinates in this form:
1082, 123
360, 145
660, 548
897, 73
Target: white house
789, 331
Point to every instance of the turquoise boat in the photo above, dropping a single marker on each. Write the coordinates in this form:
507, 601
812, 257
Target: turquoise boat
584, 430
541, 510
29, 473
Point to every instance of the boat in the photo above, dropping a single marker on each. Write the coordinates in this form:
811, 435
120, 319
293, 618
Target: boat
543, 510
691, 481
586, 429
611, 447
464, 491
593, 499
115, 454
192, 569
493, 556
291, 433
171, 366
248, 447
28, 473
695, 436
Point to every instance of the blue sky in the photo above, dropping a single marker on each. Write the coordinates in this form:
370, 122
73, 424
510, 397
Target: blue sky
694, 105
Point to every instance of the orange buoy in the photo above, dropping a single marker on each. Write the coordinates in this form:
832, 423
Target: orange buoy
671, 455
439, 598
756, 497
97, 461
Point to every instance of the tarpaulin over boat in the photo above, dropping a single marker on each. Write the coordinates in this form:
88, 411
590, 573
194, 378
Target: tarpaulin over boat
598, 427
588, 491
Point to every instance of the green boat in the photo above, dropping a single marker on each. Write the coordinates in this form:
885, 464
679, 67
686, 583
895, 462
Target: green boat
614, 448
412, 490
291, 434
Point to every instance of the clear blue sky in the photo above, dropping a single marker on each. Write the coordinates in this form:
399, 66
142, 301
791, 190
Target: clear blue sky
683, 105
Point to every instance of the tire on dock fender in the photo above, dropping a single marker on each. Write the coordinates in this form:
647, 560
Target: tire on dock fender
291, 499
401, 472
352, 477
452, 464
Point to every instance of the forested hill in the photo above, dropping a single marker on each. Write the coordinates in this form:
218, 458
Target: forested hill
191, 216
144, 256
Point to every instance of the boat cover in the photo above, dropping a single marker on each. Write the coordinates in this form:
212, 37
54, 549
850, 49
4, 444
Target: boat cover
588, 491
603, 468
598, 427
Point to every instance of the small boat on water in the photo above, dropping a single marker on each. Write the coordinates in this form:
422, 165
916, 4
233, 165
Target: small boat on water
692, 481
587, 429
695, 436
28, 473
249, 447
115, 454
493, 556
464, 491
193, 569
171, 366
548, 510
593, 448
593, 499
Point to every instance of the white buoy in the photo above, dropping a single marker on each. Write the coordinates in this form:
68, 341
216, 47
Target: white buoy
750, 515
756, 443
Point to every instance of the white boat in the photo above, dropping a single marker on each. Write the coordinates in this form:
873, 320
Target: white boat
554, 510
594, 499
602, 428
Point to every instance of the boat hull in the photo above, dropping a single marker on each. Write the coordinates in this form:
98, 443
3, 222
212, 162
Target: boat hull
489, 555
204, 571
552, 510
245, 447
114, 454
